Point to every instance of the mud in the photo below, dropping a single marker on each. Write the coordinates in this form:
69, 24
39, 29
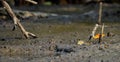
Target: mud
57, 41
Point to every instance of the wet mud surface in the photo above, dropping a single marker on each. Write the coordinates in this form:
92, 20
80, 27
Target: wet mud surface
57, 41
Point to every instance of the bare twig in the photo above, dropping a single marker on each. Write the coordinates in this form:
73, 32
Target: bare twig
31, 1
93, 32
16, 20
102, 33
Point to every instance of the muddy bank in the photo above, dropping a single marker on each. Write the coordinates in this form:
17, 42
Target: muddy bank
58, 42
58, 34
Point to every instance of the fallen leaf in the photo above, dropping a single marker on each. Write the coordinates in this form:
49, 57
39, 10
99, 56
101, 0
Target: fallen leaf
97, 36
80, 42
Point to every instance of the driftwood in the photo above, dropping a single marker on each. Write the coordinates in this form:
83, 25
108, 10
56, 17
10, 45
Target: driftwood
17, 21
24, 14
31, 1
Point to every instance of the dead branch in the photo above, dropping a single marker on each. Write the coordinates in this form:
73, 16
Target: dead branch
9, 10
31, 1
16, 20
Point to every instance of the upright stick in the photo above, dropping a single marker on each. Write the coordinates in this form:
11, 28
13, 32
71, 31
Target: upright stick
99, 23
100, 13
99, 20
102, 33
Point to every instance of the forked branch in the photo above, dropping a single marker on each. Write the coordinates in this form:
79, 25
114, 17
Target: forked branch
17, 21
